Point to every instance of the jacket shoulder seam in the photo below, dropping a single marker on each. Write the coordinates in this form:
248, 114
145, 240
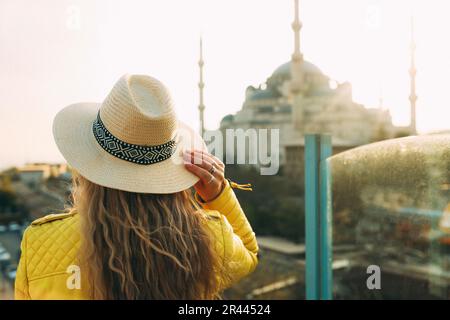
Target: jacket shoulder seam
53, 217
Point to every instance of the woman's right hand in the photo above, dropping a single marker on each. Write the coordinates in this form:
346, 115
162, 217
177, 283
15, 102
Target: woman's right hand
209, 169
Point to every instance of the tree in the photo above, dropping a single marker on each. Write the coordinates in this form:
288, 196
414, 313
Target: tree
275, 207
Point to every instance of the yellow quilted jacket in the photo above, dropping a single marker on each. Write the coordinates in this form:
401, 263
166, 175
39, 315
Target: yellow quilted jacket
50, 246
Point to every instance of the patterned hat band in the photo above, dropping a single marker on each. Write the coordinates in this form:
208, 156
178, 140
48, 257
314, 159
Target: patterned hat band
131, 152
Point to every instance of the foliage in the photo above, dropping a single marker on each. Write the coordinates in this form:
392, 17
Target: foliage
380, 134
7, 199
275, 206
11, 209
402, 133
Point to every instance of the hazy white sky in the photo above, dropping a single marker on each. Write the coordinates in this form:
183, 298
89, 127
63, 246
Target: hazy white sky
56, 52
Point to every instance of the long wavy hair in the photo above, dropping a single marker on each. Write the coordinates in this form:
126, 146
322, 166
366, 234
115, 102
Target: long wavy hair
144, 246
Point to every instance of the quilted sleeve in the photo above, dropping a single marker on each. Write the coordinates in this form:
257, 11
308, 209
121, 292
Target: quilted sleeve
21, 284
239, 241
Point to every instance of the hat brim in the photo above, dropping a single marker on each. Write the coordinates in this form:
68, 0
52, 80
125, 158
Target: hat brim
72, 131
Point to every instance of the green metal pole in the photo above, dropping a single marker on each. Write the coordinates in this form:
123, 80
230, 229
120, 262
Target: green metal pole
318, 212
326, 223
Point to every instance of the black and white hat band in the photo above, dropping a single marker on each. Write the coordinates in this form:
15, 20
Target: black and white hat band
131, 152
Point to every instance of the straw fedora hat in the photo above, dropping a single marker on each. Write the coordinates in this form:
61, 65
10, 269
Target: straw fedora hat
132, 141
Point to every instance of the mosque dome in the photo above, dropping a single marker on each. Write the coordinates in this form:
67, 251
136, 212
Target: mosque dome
285, 69
318, 82
227, 119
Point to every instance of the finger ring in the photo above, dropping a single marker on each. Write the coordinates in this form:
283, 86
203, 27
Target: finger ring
211, 180
212, 170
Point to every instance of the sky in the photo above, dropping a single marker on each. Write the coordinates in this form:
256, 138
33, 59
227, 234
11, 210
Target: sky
57, 52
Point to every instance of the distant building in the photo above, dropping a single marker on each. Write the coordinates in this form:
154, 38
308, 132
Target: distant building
295, 154
281, 246
58, 169
298, 98
34, 174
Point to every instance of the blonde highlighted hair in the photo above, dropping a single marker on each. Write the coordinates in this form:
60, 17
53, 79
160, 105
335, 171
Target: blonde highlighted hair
144, 246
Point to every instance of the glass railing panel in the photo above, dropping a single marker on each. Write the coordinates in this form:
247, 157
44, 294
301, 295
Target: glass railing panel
391, 219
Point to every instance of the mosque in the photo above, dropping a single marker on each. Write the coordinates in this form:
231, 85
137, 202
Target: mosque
298, 98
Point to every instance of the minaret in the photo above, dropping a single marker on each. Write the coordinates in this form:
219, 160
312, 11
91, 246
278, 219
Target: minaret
201, 85
412, 74
297, 56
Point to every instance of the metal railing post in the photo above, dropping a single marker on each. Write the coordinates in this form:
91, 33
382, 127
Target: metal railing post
318, 211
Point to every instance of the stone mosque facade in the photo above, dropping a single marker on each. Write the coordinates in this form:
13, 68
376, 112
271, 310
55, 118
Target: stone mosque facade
317, 108
298, 98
